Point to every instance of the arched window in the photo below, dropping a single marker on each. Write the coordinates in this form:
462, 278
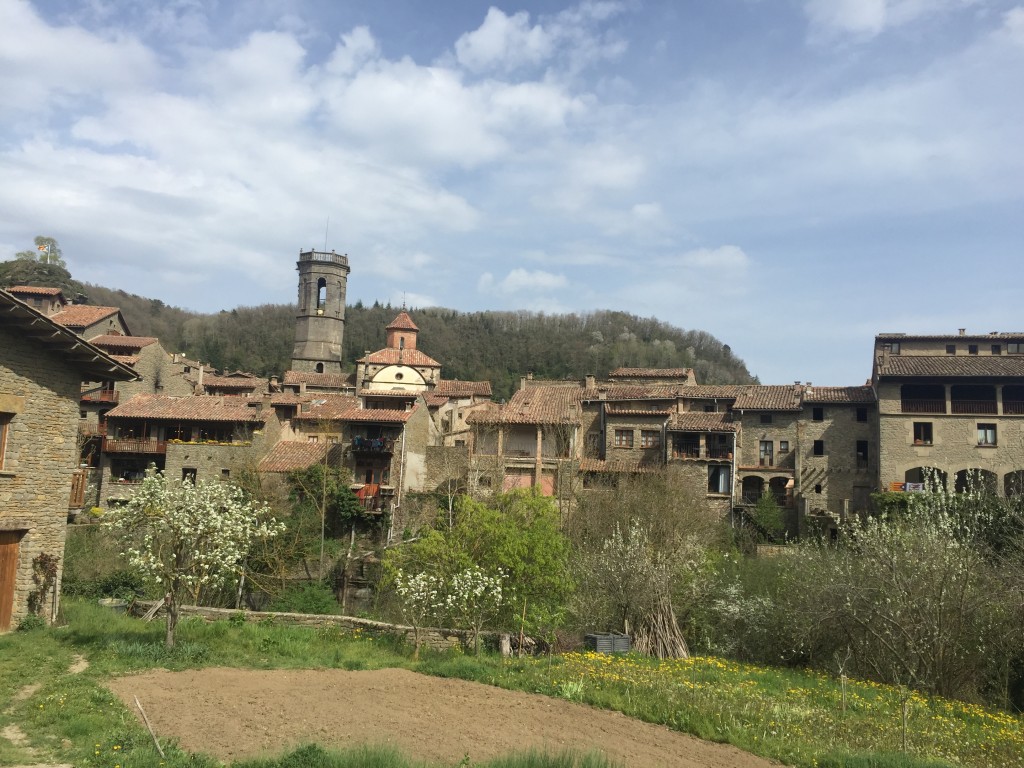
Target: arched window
319, 367
321, 295
401, 342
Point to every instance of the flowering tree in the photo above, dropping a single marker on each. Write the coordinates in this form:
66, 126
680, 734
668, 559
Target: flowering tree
185, 536
473, 597
421, 596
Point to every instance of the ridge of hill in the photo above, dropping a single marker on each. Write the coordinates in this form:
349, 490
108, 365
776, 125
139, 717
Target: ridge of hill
495, 346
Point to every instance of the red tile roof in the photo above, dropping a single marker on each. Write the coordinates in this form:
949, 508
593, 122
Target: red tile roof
537, 404
458, 388
402, 323
953, 366
378, 414
786, 397
246, 381
633, 392
390, 356
320, 380
434, 400
82, 315
696, 421
126, 359
34, 290
620, 465
716, 391
290, 455
115, 341
839, 395
651, 373
197, 408
612, 410
327, 407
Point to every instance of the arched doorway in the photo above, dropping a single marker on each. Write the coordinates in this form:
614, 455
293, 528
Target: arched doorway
932, 478
753, 487
1013, 483
976, 480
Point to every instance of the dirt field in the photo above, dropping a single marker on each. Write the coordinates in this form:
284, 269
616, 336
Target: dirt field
232, 713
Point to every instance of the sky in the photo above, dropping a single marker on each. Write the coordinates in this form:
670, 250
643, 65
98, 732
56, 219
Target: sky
791, 176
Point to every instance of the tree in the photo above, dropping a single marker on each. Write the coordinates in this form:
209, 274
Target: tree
47, 251
183, 536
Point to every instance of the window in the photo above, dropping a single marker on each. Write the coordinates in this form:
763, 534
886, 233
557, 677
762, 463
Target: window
817, 488
997, 349
766, 454
189, 474
862, 452
1014, 348
987, 434
650, 438
783, 446
817, 414
893, 347
766, 418
313, 439
951, 349
922, 433
972, 349
225, 474
709, 408
718, 478
623, 438
5, 422
819, 447
862, 414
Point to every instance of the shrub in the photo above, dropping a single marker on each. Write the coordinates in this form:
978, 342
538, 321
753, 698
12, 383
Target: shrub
308, 597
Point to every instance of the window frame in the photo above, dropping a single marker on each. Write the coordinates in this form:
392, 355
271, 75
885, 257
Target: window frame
766, 418
650, 438
783, 447
5, 428
818, 413
818, 449
920, 427
988, 436
951, 349
620, 438
862, 414
722, 473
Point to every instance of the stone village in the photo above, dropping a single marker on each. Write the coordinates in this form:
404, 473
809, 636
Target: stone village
86, 407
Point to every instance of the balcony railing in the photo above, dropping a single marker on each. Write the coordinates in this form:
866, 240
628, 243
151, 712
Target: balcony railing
92, 430
973, 406
1013, 407
694, 452
373, 444
719, 453
923, 406
131, 445
101, 396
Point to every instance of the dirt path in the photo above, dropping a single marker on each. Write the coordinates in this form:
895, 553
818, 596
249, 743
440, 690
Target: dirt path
233, 713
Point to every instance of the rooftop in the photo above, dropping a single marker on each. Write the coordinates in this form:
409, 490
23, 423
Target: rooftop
191, 408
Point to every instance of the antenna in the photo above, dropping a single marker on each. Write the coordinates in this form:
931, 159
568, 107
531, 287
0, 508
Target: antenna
326, 230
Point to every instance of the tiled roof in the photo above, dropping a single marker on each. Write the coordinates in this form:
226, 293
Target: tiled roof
82, 315
716, 391
34, 290
434, 400
404, 394
458, 388
953, 365
537, 404
633, 392
114, 341
126, 359
770, 398
402, 323
90, 360
233, 382
197, 408
290, 455
839, 395
378, 414
651, 373
289, 398
612, 410
400, 357
949, 337
619, 465
321, 380
327, 407
696, 421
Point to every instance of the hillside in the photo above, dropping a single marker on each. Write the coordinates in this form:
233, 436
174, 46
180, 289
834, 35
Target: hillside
497, 346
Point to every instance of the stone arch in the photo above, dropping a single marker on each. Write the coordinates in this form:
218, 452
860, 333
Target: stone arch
1013, 483
976, 479
321, 295
931, 476
778, 488
753, 487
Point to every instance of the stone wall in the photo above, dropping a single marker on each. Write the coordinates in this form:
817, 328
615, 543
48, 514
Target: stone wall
40, 392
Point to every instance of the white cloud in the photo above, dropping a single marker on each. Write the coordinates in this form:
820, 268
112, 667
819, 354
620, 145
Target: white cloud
522, 281
867, 18
729, 258
503, 42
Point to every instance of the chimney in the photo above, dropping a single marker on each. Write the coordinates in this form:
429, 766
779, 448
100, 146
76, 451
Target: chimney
963, 331
809, 389
199, 383
522, 383
590, 382
529, 375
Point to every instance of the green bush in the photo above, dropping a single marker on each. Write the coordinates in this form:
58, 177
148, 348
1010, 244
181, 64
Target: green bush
308, 597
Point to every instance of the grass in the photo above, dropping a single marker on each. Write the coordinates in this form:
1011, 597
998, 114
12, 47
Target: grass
794, 717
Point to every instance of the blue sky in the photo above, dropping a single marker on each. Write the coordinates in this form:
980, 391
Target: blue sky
791, 176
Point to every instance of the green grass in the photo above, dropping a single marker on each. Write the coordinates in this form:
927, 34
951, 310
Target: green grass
794, 717
383, 757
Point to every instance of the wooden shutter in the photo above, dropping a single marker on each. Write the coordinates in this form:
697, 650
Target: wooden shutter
8, 571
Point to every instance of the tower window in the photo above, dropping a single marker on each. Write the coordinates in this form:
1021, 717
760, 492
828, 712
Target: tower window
401, 342
321, 295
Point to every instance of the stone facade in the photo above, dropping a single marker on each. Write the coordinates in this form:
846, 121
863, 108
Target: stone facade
41, 370
320, 323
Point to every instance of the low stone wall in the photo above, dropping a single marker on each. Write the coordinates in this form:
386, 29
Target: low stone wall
430, 637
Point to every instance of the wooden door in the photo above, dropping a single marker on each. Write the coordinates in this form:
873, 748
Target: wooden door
8, 571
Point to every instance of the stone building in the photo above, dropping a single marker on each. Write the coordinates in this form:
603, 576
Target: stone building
42, 366
320, 322
950, 408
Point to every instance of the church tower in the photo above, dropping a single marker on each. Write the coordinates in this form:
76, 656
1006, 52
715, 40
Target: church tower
320, 323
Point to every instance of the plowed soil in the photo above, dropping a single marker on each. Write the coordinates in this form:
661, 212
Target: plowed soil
235, 713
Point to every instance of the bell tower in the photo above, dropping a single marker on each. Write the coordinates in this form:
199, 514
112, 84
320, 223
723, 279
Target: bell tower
320, 323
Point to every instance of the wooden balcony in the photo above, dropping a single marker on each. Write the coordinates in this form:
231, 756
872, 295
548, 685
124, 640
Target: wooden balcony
132, 445
373, 445
923, 406
693, 452
100, 396
974, 406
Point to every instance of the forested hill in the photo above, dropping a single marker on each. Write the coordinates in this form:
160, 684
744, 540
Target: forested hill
497, 346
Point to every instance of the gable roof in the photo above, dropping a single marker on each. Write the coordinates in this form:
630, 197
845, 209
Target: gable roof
291, 455
839, 395
83, 315
536, 404
459, 388
954, 366
617, 391
189, 408
35, 290
327, 407
121, 343
90, 360
757, 397
319, 380
391, 356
